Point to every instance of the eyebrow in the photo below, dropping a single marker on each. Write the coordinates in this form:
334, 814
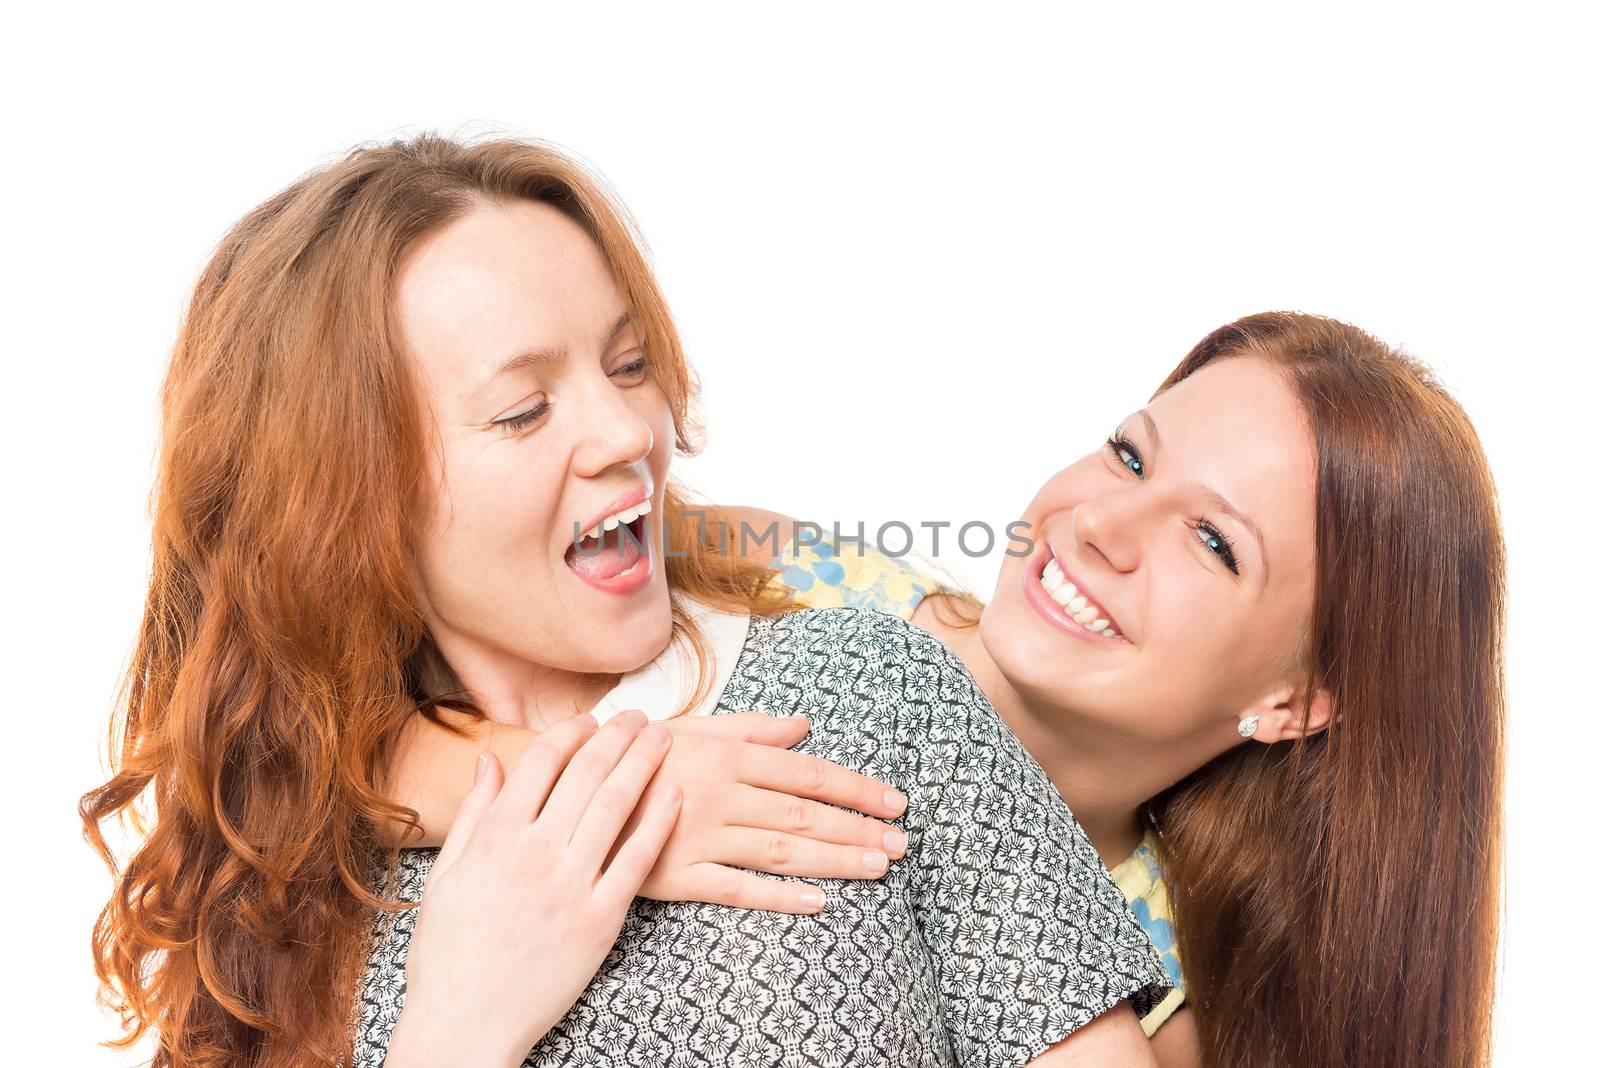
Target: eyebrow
538, 357
1150, 425
1215, 498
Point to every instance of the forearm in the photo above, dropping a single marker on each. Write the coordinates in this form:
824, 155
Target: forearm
433, 769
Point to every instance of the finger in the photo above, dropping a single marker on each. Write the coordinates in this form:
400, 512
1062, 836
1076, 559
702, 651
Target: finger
805, 775
538, 767
586, 771
486, 784
758, 727
617, 797
768, 810
640, 849
787, 854
721, 885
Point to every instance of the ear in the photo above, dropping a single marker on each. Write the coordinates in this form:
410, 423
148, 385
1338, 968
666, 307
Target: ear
1289, 714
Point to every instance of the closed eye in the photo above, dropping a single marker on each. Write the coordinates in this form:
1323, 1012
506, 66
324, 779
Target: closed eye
632, 369
523, 420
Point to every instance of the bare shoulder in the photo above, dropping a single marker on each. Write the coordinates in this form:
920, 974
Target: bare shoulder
764, 532
760, 519
753, 515
1177, 1042
1113, 1038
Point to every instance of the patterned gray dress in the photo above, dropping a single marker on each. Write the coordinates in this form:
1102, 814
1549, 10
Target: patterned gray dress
997, 934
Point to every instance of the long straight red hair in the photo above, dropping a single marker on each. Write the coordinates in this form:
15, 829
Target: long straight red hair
1336, 899
283, 647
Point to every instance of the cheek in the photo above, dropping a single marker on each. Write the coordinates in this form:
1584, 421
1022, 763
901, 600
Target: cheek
1065, 489
1197, 616
1212, 644
1185, 606
653, 407
650, 405
495, 513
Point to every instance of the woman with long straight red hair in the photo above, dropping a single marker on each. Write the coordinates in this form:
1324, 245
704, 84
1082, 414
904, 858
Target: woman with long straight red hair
1256, 642
416, 438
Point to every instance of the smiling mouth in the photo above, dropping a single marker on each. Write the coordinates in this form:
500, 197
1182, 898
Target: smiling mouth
1082, 610
620, 518
613, 556
1060, 601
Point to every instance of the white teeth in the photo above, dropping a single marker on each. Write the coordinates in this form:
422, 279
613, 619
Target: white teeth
617, 519
1075, 604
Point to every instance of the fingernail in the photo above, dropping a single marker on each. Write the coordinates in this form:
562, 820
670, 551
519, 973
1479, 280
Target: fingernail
895, 800
894, 841
655, 734
636, 716
875, 860
483, 767
811, 898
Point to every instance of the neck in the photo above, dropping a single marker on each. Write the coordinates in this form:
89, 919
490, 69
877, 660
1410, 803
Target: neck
1103, 774
513, 691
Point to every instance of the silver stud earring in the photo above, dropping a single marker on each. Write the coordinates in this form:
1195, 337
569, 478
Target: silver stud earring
1247, 726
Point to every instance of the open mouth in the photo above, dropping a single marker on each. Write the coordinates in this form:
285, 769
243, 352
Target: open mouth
1063, 603
613, 555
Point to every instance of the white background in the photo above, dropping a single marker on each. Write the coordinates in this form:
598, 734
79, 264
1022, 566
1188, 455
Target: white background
984, 233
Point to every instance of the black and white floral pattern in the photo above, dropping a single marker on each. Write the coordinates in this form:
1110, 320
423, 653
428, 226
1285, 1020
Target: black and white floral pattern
998, 934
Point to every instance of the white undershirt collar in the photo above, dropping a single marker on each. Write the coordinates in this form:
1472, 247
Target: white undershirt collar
662, 686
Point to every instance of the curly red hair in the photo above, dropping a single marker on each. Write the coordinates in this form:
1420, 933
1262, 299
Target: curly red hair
282, 648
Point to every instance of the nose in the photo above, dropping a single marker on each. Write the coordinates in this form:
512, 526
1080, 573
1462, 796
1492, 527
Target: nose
613, 432
1112, 524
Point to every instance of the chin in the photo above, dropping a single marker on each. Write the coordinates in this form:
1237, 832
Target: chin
1025, 660
634, 642
1035, 660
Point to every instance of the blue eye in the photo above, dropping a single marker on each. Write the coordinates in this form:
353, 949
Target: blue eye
1126, 454
1214, 540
